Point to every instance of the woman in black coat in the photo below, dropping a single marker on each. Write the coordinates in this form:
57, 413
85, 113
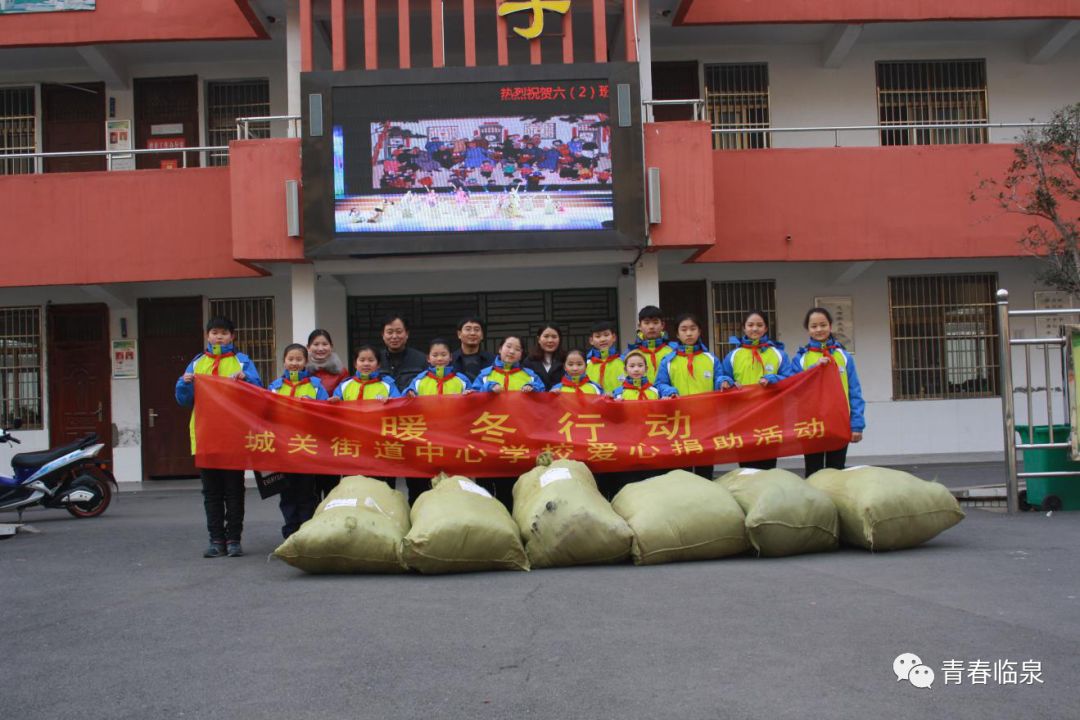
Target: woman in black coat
547, 355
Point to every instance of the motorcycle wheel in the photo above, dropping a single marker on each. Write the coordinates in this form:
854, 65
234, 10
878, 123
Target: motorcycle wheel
93, 508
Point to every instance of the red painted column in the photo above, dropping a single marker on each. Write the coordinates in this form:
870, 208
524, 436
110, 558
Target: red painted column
568, 38
469, 10
534, 51
437, 53
337, 33
371, 35
306, 55
404, 49
599, 24
500, 36
630, 26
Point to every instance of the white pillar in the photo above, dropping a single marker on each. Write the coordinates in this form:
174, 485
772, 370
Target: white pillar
292, 59
303, 302
628, 309
644, 36
647, 280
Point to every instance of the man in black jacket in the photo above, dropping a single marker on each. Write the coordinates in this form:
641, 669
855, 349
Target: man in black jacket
397, 359
469, 360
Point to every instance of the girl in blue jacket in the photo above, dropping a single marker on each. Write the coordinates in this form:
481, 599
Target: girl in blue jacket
757, 360
823, 348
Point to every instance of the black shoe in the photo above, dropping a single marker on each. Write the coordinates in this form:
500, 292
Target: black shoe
234, 549
216, 549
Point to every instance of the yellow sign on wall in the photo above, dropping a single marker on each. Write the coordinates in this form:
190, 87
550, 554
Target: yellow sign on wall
537, 7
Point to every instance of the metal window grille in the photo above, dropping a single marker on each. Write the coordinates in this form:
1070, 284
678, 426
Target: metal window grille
18, 121
932, 92
254, 320
20, 366
732, 300
737, 96
227, 101
944, 336
504, 313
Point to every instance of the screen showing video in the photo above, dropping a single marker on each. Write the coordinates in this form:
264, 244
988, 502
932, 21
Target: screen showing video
547, 166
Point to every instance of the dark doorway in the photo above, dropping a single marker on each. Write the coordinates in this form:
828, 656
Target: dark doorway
166, 115
504, 313
686, 296
80, 374
170, 335
73, 118
675, 81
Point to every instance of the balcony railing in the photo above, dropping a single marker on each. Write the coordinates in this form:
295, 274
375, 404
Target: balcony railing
957, 133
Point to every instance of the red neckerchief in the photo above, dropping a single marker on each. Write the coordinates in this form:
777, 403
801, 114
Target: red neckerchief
506, 374
831, 347
216, 359
294, 385
440, 381
643, 348
631, 385
371, 380
568, 381
596, 359
689, 355
754, 349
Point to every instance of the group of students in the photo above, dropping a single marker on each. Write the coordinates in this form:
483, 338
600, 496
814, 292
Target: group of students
651, 368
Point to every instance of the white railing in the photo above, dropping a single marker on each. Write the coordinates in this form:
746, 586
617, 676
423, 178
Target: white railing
243, 125
836, 130
112, 155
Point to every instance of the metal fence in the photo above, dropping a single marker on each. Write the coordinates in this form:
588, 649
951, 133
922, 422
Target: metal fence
1054, 366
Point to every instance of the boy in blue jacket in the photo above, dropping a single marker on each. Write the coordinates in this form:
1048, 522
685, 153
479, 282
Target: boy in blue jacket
223, 490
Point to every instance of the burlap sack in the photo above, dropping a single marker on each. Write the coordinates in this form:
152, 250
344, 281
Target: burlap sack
358, 528
681, 516
784, 514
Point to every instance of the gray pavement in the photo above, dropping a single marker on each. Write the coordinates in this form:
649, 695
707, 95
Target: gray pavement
120, 617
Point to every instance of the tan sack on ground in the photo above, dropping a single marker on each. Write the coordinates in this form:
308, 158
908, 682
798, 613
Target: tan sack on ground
358, 528
883, 509
784, 514
563, 518
681, 516
457, 526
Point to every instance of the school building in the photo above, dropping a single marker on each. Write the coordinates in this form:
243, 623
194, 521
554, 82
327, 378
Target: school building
315, 163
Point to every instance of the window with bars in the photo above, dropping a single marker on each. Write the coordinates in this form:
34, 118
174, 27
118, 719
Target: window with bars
20, 366
18, 129
732, 300
254, 320
944, 336
934, 92
737, 97
227, 101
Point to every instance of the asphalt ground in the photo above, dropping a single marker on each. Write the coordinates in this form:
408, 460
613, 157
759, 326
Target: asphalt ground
121, 617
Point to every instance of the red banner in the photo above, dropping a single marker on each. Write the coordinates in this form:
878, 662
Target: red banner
242, 427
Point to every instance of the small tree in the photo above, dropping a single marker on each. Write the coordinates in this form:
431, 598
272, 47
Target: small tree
1043, 182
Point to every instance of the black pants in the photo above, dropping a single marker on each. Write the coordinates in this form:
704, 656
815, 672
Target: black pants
298, 502
223, 498
502, 489
705, 471
759, 464
832, 459
324, 484
417, 486
609, 484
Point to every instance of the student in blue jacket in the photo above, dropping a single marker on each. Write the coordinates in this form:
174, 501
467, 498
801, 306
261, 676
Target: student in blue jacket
823, 348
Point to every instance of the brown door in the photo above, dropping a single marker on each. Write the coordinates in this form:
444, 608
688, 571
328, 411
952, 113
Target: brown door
73, 118
166, 115
80, 374
690, 296
675, 81
170, 335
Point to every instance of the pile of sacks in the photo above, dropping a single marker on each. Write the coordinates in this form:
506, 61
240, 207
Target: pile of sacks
561, 519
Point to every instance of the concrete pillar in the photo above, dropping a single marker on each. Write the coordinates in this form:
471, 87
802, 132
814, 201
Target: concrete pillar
304, 316
647, 280
628, 309
292, 60
644, 34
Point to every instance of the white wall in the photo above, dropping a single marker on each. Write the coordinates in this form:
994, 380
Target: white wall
804, 94
122, 302
903, 427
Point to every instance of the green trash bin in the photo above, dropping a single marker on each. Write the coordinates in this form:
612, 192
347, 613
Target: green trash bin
1050, 493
